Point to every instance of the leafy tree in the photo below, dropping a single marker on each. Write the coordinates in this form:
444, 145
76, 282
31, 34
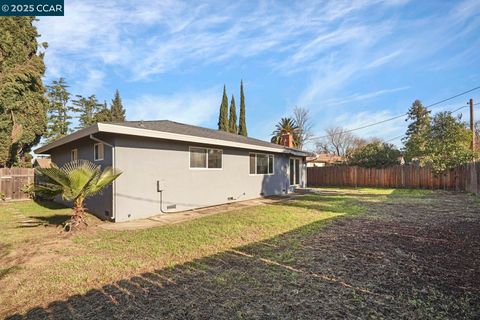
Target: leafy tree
87, 108
23, 105
117, 110
104, 115
302, 119
242, 126
223, 115
232, 121
58, 117
448, 143
75, 181
416, 137
285, 125
375, 155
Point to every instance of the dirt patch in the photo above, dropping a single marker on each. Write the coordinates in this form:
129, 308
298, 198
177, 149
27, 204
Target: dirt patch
405, 258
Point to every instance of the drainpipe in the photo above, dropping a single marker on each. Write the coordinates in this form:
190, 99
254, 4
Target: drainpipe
114, 205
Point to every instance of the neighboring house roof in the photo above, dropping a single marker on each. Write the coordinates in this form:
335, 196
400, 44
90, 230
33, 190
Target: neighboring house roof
325, 158
42, 162
170, 130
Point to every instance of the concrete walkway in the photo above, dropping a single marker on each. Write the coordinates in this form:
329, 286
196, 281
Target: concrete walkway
178, 217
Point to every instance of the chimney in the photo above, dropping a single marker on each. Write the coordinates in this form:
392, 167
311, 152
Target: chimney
287, 140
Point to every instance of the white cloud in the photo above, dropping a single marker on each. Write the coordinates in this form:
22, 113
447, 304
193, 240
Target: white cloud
192, 107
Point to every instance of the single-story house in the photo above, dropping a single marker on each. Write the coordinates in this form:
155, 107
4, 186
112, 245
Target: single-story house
324, 159
169, 166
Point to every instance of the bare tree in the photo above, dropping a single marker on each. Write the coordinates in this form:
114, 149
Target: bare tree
304, 124
337, 141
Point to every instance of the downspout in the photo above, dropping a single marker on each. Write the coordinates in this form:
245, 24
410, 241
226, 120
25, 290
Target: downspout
114, 205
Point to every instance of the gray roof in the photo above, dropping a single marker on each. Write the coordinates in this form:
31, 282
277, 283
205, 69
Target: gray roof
181, 128
165, 129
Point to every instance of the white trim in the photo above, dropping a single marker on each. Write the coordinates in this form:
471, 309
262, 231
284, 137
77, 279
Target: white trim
119, 129
74, 151
206, 158
295, 173
99, 144
261, 174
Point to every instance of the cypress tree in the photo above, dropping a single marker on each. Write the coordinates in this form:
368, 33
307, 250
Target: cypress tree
232, 121
117, 110
242, 126
223, 115
23, 105
58, 117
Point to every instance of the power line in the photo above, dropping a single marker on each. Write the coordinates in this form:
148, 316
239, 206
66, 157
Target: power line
394, 138
402, 115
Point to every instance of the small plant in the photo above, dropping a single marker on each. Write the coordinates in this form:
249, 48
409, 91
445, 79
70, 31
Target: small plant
75, 181
2, 196
29, 189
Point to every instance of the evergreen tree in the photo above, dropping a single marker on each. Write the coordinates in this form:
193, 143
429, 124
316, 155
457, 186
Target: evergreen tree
104, 115
117, 110
23, 105
232, 121
416, 137
376, 154
223, 114
58, 117
242, 126
448, 143
87, 108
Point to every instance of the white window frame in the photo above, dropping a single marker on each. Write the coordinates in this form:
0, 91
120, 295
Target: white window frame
261, 174
206, 158
95, 155
300, 164
72, 153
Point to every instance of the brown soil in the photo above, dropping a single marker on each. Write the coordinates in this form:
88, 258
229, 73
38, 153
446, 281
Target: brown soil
402, 259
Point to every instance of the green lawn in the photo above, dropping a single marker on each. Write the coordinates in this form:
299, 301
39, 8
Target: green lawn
340, 253
39, 264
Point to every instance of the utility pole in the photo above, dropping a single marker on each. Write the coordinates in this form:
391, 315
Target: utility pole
472, 124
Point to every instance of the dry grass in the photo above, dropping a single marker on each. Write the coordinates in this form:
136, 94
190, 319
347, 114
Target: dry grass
394, 254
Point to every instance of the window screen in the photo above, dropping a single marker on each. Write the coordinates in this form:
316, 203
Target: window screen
214, 158
198, 158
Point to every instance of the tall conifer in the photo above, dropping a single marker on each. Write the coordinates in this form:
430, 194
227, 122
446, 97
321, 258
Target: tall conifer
232, 121
223, 114
242, 126
117, 110
23, 105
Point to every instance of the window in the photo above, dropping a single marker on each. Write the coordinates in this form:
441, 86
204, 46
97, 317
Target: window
98, 151
261, 163
203, 158
74, 154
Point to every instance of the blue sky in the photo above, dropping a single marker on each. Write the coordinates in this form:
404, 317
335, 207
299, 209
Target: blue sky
349, 63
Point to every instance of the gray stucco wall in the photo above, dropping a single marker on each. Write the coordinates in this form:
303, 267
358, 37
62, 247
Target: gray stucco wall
101, 204
144, 161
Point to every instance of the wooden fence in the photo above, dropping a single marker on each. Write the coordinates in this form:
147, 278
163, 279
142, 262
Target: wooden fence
463, 178
12, 180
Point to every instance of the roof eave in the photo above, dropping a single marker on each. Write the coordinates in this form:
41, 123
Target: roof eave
71, 137
119, 129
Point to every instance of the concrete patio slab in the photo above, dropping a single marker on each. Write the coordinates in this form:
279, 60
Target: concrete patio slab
178, 217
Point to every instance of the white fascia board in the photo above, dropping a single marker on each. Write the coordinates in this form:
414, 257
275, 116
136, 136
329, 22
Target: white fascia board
139, 132
71, 137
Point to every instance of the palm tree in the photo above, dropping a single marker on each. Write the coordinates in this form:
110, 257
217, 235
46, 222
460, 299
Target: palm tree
285, 125
75, 181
